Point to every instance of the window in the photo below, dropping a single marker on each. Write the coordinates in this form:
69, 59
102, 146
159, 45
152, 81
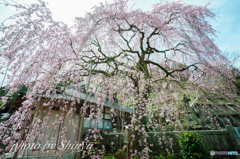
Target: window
107, 124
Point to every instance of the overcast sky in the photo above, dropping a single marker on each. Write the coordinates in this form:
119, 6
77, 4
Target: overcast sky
227, 21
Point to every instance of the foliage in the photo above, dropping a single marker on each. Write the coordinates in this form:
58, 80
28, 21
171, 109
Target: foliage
160, 157
114, 149
1, 104
237, 82
120, 155
192, 146
169, 156
21, 91
3, 92
108, 157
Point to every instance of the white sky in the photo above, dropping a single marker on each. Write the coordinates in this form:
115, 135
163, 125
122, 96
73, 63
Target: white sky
74, 8
66, 10
227, 24
227, 21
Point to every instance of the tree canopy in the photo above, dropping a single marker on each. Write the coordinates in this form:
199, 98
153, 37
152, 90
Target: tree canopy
150, 60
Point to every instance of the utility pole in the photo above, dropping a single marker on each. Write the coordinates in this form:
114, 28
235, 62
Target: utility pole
81, 118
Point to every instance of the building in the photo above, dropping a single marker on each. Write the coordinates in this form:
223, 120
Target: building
58, 122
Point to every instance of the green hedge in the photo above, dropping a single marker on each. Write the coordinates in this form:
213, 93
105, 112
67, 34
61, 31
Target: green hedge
192, 146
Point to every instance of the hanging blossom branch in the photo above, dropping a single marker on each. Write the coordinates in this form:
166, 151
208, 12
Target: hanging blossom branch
147, 60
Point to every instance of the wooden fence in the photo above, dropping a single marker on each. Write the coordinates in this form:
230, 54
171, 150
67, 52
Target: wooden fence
217, 140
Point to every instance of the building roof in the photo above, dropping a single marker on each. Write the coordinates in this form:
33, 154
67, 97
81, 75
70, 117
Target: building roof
78, 95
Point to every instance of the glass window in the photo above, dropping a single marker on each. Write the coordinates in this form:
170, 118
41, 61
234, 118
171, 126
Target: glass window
93, 123
100, 124
108, 116
107, 124
86, 123
107, 110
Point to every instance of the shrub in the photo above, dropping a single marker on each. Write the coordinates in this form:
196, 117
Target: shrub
120, 155
192, 146
169, 156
